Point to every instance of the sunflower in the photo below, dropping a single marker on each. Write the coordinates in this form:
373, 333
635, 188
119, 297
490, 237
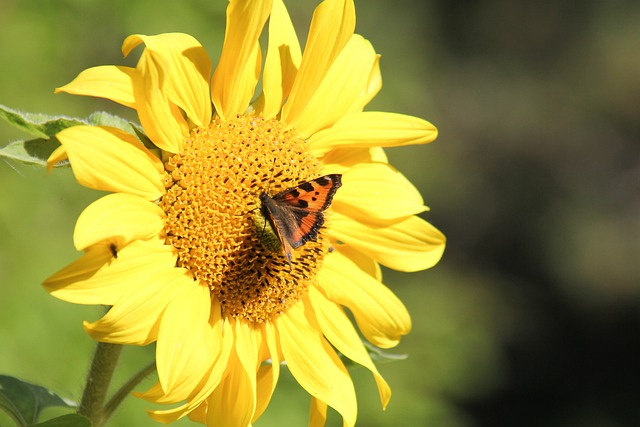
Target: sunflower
178, 250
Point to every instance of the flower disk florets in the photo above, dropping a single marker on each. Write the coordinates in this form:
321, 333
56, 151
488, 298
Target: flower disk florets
212, 198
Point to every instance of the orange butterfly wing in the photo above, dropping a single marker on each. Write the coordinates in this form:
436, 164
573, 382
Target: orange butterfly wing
296, 214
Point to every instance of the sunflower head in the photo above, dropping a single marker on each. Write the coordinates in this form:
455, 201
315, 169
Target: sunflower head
215, 221
220, 243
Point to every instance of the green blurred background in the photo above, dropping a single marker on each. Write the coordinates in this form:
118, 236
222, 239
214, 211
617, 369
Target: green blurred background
530, 319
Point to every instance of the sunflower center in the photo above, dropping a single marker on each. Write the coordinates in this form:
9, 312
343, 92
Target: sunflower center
214, 216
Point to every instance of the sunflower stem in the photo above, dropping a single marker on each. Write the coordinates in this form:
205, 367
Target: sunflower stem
126, 388
95, 390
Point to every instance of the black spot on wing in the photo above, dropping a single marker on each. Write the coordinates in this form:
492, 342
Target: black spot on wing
300, 215
307, 186
335, 180
323, 181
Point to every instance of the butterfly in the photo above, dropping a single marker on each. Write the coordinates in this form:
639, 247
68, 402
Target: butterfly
296, 214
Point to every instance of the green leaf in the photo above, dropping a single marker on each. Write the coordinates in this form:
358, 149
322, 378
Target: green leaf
37, 124
69, 420
142, 136
45, 127
23, 401
102, 118
7, 405
34, 151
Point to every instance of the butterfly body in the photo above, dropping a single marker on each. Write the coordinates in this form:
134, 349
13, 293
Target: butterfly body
296, 214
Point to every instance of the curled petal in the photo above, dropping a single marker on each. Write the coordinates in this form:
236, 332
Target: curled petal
106, 81
224, 410
343, 159
220, 341
185, 69
269, 372
248, 343
372, 129
409, 244
371, 88
338, 329
237, 73
377, 190
342, 87
161, 119
120, 217
135, 317
317, 413
59, 155
331, 28
380, 315
282, 62
109, 159
97, 278
182, 353
96, 259
314, 364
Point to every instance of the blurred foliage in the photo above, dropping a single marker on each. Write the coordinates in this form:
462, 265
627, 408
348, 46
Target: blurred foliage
531, 318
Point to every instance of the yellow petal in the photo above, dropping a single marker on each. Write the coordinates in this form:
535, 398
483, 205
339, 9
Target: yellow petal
199, 414
338, 329
232, 403
155, 392
59, 155
341, 160
409, 244
120, 217
317, 413
209, 348
381, 316
268, 373
341, 88
135, 317
93, 280
363, 261
377, 190
331, 28
314, 364
377, 155
221, 335
248, 343
182, 354
372, 129
282, 62
186, 68
61, 284
161, 119
237, 73
371, 89
109, 159
107, 81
